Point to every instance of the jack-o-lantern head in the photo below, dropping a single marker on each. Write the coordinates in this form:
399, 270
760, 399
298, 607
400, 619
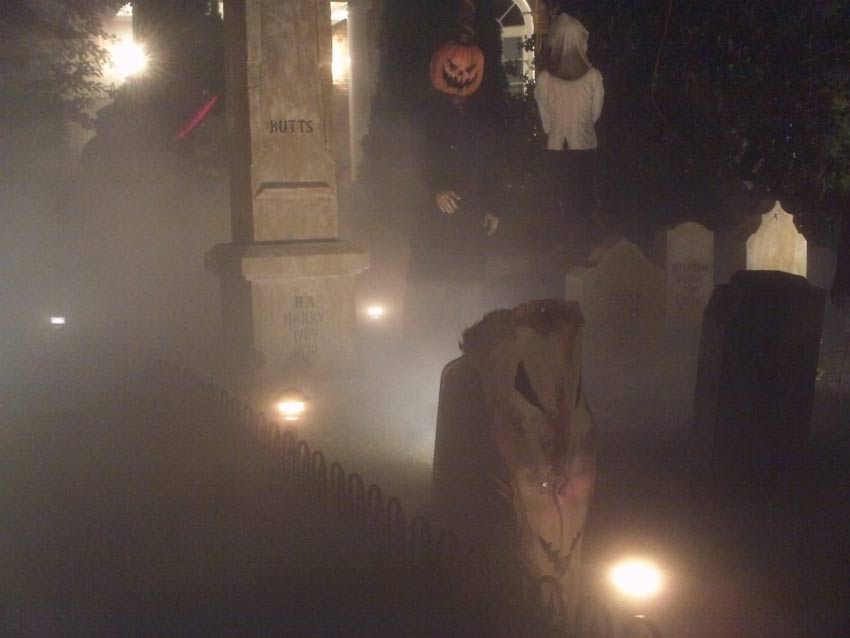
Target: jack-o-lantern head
457, 68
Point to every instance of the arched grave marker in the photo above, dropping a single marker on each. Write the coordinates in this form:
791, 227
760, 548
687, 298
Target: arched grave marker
777, 244
690, 274
622, 298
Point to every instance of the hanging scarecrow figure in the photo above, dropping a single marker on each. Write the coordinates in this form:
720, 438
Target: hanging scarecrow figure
569, 95
515, 448
450, 231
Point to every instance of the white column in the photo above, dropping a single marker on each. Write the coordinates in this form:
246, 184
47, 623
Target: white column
360, 79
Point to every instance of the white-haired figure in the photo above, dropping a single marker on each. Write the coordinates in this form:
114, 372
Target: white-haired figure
569, 95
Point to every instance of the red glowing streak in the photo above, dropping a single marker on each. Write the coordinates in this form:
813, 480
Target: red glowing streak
197, 118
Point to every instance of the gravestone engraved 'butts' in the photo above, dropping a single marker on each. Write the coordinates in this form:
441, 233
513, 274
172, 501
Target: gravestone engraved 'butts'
777, 244
287, 280
690, 274
622, 298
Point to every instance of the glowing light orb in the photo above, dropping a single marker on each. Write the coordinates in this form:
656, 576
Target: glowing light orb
291, 410
129, 58
291, 404
57, 321
637, 578
375, 311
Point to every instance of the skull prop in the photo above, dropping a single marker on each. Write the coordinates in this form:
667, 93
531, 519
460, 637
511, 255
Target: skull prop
528, 361
457, 68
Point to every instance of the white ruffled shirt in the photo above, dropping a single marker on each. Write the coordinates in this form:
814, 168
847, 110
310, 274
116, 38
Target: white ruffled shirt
569, 109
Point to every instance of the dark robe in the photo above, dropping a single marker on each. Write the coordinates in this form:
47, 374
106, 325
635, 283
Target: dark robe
455, 148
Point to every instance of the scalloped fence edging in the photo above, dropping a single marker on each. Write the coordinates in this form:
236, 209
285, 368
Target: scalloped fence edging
414, 543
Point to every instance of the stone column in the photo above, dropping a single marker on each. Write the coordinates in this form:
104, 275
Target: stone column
287, 279
361, 78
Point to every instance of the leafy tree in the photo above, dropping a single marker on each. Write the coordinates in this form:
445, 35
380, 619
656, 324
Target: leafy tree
52, 57
172, 112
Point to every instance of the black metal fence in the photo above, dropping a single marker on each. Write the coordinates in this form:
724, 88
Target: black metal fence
411, 543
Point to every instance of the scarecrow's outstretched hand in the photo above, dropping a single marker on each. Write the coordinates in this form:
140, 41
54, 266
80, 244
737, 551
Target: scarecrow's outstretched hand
448, 202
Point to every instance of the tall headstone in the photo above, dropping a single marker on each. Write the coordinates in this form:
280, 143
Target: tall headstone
756, 377
777, 244
287, 279
622, 298
515, 449
690, 274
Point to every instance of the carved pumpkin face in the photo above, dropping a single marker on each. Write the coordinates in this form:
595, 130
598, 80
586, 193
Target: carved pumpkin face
544, 431
457, 69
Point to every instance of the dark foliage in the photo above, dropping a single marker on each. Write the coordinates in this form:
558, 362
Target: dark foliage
185, 41
51, 62
702, 93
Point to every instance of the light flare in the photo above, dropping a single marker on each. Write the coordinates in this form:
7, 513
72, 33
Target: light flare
637, 578
375, 311
129, 58
291, 410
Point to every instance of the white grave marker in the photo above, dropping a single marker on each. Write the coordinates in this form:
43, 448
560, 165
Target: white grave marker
621, 298
777, 244
690, 273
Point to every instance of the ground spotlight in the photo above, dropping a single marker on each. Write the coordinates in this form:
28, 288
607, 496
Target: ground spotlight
291, 404
375, 311
57, 321
637, 578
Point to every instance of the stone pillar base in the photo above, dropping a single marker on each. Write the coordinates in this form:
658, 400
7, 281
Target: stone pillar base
290, 304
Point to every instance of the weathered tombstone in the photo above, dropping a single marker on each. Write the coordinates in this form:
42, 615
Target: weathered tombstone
756, 377
777, 244
622, 298
690, 274
515, 450
287, 280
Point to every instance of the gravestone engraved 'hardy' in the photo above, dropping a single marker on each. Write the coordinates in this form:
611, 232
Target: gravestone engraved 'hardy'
690, 273
622, 298
777, 244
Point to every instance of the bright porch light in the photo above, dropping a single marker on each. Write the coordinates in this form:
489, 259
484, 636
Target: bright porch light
129, 58
340, 61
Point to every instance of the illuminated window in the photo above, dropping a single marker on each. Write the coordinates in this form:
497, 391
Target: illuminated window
517, 26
